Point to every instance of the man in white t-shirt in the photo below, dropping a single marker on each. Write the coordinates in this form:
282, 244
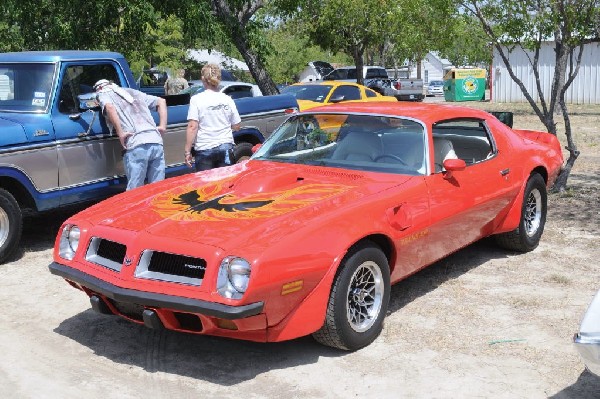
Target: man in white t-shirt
212, 118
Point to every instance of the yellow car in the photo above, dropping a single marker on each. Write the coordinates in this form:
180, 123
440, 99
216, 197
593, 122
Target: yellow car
314, 94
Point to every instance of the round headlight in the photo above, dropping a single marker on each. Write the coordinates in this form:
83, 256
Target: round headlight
233, 277
69, 241
239, 274
73, 237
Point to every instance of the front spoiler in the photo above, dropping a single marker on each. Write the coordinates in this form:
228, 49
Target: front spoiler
155, 300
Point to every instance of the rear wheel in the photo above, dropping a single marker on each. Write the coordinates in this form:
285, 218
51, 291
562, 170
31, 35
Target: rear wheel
358, 300
527, 236
11, 225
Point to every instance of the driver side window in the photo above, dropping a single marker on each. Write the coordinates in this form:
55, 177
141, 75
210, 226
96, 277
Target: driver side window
80, 79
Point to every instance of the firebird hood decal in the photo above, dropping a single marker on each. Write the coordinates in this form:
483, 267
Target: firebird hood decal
208, 204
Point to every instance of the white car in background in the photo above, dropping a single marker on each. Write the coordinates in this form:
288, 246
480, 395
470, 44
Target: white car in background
233, 89
435, 88
587, 340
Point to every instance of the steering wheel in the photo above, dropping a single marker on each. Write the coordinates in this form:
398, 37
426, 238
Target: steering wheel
392, 156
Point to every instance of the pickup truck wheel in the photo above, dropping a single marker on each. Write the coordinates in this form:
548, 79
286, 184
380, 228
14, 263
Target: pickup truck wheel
11, 225
358, 300
527, 236
242, 151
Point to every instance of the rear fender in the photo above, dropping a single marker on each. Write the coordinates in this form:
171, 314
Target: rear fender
513, 217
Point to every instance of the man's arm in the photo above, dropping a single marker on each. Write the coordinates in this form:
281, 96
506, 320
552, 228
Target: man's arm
161, 107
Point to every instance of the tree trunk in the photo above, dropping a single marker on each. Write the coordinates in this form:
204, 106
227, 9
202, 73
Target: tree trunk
235, 24
256, 67
357, 54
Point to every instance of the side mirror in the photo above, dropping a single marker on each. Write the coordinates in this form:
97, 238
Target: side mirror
256, 147
88, 101
453, 165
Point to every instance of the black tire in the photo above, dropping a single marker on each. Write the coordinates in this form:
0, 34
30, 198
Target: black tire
11, 225
242, 151
527, 236
358, 300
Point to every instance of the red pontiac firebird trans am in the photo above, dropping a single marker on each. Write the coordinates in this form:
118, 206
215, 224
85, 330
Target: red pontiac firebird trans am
306, 237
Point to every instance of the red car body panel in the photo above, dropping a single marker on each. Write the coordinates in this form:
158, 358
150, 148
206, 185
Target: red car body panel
297, 222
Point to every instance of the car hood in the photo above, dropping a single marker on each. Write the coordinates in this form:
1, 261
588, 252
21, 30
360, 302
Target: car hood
236, 205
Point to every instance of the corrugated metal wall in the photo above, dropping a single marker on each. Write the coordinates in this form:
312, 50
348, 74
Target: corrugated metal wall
584, 90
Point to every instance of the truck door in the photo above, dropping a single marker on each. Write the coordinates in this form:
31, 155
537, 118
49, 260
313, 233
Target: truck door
89, 157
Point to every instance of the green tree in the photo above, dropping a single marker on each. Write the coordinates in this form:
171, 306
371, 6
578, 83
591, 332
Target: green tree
465, 43
292, 51
527, 24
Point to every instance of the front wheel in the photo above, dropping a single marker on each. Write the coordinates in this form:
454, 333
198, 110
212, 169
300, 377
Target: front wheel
527, 236
11, 225
358, 300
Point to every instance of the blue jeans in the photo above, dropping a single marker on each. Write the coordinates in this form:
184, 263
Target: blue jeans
144, 162
214, 158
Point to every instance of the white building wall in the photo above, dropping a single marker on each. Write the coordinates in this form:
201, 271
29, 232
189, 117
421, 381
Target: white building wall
585, 89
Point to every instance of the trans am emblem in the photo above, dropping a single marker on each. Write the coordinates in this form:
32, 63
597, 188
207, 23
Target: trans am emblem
213, 202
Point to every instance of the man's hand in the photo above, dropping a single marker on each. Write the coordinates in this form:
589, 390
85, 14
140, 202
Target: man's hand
124, 137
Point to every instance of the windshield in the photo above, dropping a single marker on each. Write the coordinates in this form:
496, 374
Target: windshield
26, 87
317, 93
350, 141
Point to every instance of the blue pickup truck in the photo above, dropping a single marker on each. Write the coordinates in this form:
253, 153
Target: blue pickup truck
55, 154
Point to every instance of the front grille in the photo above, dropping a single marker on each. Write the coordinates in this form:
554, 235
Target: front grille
177, 265
106, 253
112, 250
165, 266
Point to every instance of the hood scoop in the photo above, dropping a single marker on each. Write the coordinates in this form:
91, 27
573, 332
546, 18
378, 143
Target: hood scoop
268, 181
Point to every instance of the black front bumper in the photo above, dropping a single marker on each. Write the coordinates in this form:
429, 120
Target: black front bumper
155, 300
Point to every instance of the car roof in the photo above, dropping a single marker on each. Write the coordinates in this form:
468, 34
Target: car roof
426, 112
329, 83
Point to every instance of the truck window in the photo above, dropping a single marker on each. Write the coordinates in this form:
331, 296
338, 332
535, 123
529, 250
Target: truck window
26, 87
80, 79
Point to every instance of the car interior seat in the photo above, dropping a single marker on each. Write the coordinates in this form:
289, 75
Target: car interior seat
442, 149
358, 146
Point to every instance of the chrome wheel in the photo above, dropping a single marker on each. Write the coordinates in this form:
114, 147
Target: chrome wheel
533, 212
4, 226
365, 294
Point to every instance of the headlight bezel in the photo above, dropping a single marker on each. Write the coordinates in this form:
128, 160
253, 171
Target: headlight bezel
70, 238
234, 277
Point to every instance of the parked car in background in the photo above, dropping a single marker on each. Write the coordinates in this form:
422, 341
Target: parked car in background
307, 236
376, 78
435, 88
587, 340
313, 94
233, 89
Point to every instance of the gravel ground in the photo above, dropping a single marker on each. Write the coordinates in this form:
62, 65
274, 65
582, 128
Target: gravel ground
482, 323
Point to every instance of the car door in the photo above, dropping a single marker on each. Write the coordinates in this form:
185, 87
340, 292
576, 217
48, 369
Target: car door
89, 157
465, 204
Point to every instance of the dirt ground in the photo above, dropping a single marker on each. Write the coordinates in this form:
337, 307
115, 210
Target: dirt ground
483, 323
